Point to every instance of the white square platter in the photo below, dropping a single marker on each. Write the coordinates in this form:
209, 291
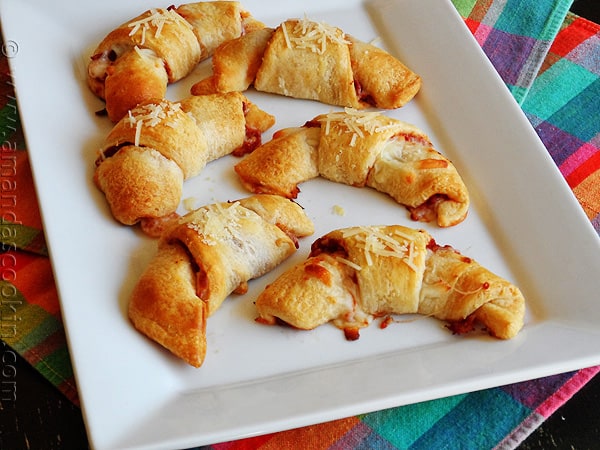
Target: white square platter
525, 224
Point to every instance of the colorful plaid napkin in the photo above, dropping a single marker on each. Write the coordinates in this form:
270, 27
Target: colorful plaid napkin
550, 61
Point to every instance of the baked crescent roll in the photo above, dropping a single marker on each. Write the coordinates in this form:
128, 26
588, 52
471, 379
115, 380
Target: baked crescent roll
355, 274
202, 258
149, 153
315, 61
136, 61
361, 149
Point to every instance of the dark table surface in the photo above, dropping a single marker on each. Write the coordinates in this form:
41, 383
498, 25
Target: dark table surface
42, 418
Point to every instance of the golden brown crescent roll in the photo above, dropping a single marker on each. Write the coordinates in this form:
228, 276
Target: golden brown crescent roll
136, 61
150, 152
202, 258
315, 61
355, 274
361, 149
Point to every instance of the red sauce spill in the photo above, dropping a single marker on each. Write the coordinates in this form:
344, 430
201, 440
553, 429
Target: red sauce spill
462, 326
427, 212
252, 141
202, 285
386, 322
351, 334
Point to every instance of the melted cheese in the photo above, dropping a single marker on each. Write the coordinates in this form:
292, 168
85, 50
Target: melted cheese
145, 53
313, 36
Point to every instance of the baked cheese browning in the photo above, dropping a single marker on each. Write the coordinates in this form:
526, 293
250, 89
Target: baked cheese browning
359, 149
355, 275
205, 256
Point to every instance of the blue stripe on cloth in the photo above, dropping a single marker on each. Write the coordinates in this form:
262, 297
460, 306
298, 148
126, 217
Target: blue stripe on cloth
402, 426
482, 416
520, 18
588, 100
572, 80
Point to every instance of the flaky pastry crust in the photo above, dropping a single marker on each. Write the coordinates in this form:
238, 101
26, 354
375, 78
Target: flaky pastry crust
355, 274
180, 138
361, 149
310, 60
205, 256
137, 60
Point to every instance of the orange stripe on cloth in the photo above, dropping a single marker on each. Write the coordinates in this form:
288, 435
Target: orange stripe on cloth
315, 437
588, 194
243, 444
35, 281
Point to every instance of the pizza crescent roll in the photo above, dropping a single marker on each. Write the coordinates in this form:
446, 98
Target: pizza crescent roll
361, 149
355, 274
202, 258
311, 60
149, 153
137, 60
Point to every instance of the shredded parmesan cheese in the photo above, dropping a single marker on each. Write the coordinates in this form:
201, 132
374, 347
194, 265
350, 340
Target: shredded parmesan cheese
339, 210
219, 222
313, 36
188, 203
151, 115
348, 263
156, 18
376, 243
357, 123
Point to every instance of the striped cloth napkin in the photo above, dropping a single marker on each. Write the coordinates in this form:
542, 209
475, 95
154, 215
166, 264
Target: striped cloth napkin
550, 61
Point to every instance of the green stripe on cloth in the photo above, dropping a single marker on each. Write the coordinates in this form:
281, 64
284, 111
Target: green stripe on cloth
23, 325
572, 78
15, 236
9, 118
46, 326
403, 426
515, 36
59, 358
521, 19
12, 303
481, 416
464, 7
